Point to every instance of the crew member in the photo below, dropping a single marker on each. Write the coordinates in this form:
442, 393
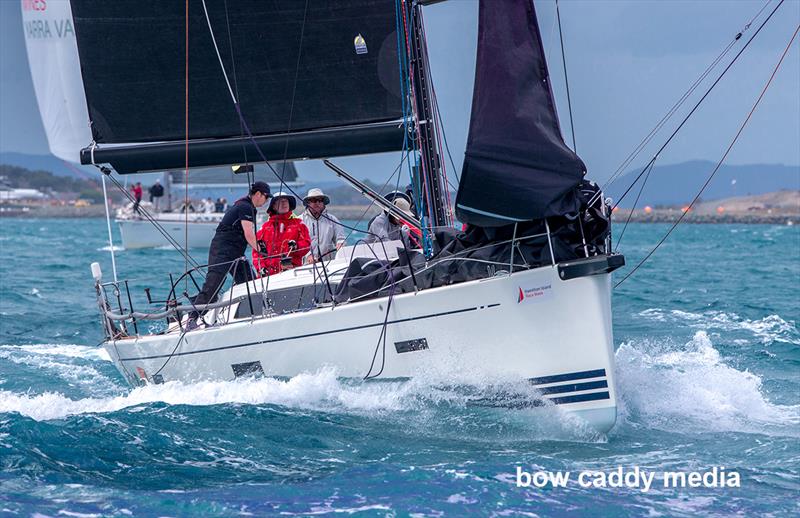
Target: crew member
226, 255
326, 232
156, 192
137, 197
389, 227
284, 235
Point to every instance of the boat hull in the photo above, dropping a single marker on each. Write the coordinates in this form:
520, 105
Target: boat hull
140, 233
530, 326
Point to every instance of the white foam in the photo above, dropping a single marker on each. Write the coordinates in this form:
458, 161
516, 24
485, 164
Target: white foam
68, 350
415, 403
768, 329
108, 248
691, 388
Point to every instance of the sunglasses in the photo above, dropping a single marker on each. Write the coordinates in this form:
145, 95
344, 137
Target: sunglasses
316, 200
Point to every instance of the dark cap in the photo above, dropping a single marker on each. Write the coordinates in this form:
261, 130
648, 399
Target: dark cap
261, 187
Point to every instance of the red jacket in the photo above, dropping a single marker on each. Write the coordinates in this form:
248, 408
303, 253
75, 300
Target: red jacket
137, 192
276, 233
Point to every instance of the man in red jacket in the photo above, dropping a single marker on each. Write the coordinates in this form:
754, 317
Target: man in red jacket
285, 238
137, 196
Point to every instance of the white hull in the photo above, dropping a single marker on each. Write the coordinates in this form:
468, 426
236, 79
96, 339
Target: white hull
141, 233
559, 337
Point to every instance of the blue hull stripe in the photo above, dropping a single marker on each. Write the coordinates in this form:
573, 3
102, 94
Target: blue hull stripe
574, 387
571, 376
577, 398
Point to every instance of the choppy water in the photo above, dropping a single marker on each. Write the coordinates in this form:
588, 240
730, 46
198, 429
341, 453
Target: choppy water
708, 360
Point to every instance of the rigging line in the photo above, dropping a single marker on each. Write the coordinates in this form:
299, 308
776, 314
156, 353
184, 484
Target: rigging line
235, 82
696, 106
660, 124
438, 129
721, 161
640, 147
444, 138
237, 106
415, 110
216, 48
294, 91
635, 203
395, 172
186, 143
152, 220
566, 78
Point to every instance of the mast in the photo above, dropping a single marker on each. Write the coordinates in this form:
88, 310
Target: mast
434, 190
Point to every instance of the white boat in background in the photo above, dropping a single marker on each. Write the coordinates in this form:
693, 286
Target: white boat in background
153, 228
521, 296
139, 232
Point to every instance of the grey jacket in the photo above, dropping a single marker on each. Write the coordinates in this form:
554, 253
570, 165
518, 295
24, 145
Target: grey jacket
382, 228
326, 232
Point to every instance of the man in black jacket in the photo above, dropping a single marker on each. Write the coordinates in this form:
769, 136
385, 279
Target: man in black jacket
226, 254
156, 192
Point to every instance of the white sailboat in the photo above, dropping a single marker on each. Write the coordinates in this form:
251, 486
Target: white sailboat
186, 223
522, 295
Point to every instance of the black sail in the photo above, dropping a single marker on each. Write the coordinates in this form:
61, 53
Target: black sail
295, 66
516, 166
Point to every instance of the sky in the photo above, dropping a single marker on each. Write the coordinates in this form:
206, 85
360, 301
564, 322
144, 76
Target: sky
628, 61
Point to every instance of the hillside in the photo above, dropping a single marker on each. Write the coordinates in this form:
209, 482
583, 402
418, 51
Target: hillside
48, 183
676, 184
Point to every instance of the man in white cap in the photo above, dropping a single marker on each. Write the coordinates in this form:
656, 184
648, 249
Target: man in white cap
327, 234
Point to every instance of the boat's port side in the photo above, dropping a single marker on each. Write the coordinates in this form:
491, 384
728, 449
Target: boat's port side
522, 326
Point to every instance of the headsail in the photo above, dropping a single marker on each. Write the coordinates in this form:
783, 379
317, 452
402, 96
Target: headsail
55, 70
318, 75
517, 166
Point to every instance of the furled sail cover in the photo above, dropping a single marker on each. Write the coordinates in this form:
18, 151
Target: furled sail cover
516, 166
56, 73
133, 57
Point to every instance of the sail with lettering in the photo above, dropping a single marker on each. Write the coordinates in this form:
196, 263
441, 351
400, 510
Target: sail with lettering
55, 69
517, 166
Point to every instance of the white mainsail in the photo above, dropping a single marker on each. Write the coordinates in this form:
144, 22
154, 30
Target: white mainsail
56, 73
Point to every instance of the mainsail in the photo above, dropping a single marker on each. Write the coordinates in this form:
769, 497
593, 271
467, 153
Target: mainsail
55, 70
311, 79
517, 166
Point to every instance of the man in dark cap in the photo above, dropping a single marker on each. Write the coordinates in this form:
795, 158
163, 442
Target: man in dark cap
226, 254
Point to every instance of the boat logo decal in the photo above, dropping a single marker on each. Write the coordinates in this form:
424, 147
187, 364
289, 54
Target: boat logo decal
360, 44
535, 293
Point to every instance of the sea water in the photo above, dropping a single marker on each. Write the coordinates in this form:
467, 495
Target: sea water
707, 357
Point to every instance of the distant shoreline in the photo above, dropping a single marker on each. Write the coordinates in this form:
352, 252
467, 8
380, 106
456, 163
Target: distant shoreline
354, 212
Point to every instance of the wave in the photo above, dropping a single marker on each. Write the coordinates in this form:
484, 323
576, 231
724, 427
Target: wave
67, 350
768, 329
435, 408
74, 365
691, 389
